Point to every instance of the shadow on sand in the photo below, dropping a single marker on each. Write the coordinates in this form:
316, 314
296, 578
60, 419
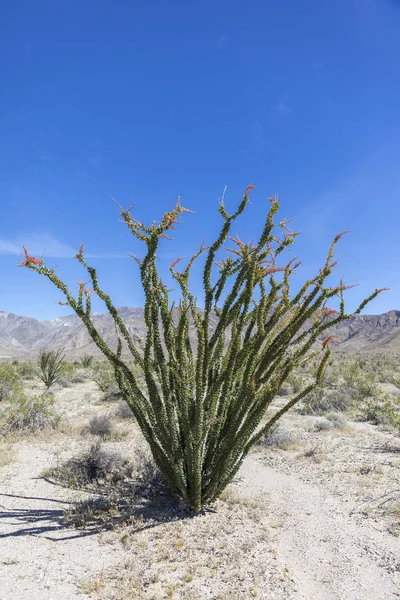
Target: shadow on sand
132, 502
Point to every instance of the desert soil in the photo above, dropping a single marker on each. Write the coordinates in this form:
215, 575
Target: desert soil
319, 520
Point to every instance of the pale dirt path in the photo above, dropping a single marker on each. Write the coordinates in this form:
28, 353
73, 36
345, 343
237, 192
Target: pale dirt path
330, 554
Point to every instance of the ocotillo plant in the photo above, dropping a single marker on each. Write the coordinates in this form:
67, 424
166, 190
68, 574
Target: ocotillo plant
203, 403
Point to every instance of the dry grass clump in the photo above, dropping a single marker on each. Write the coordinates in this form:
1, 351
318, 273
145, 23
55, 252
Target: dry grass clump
64, 382
123, 411
103, 427
94, 585
322, 424
125, 491
122, 488
100, 425
5, 391
94, 466
278, 437
330, 420
111, 394
337, 419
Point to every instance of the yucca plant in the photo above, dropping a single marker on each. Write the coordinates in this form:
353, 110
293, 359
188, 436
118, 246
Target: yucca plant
86, 360
50, 364
202, 404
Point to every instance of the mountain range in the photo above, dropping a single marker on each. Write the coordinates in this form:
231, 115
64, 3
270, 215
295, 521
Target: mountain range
21, 338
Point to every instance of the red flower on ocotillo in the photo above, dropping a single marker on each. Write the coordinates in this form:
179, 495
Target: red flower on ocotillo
30, 260
328, 339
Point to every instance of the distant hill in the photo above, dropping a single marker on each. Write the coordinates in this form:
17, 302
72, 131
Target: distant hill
23, 337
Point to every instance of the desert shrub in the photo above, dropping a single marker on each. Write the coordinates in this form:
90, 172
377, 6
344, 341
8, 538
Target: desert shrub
104, 377
322, 424
80, 375
6, 391
111, 394
26, 370
100, 425
9, 381
86, 361
31, 414
68, 368
320, 400
50, 365
202, 402
92, 466
365, 387
337, 418
277, 437
380, 410
316, 402
350, 372
296, 382
344, 398
63, 382
123, 411
136, 489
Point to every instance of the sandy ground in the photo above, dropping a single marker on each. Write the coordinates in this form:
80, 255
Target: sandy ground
302, 523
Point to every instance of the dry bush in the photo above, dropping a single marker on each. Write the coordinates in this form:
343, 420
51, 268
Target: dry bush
337, 419
111, 394
100, 425
277, 437
123, 411
322, 424
90, 467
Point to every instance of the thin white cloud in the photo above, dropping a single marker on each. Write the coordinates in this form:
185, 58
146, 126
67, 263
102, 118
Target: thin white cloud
106, 255
46, 245
37, 245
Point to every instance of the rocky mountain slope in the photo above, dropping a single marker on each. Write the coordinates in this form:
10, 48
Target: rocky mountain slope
22, 337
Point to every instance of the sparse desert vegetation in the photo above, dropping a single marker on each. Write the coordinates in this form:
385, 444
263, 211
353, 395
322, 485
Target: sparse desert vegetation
327, 475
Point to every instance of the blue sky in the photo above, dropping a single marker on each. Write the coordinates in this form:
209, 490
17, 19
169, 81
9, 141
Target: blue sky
150, 100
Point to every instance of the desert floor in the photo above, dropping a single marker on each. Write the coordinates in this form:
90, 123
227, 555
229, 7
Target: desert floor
314, 517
